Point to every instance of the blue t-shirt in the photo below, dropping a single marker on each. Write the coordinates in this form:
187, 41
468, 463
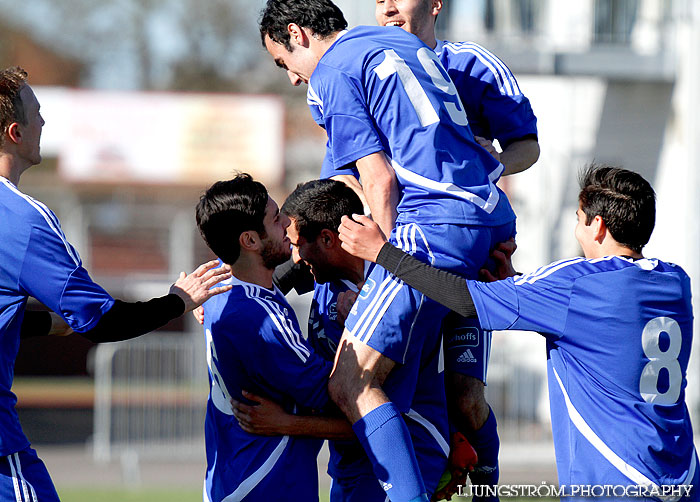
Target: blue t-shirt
36, 260
382, 89
619, 334
254, 343
495, 105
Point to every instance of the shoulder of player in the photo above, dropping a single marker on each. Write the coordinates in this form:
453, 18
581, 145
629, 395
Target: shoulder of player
573, 269
465, 52
30, 210
243, 304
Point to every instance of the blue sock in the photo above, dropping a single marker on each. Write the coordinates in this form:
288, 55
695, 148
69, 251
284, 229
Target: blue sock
386, 439
486, 443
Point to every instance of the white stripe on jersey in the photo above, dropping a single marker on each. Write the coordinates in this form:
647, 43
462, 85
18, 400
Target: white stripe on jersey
413, 229
290, 336
388, 286
598, 444
313, 99
546, 271
15, 482
48, 216
413, 414
294, 335
388, 289
248, 484
507, 83
25, 483
452, 189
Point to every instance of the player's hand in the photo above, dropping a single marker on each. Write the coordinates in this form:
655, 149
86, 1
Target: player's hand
59, 327
488, 146
362, 237
266, 418
462, 460
346, 300
198, 314
197, 287
501, 257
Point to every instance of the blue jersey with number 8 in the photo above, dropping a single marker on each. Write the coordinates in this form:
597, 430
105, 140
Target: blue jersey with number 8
382, 89
619, 334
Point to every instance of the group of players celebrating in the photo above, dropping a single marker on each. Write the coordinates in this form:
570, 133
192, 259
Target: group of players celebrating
394, 368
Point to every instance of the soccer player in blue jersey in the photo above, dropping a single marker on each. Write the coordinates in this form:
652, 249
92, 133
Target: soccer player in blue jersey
496, 109
315, 209
37, 260
254, 343
619, 331
388, 105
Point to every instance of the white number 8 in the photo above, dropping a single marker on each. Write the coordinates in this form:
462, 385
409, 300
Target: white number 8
648, 383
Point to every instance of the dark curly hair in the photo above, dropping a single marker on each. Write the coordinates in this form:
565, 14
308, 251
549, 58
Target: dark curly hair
322, 17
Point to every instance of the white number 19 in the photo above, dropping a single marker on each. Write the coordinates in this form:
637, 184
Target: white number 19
416, 94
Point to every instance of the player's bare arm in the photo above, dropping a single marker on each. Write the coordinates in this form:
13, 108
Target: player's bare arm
353, 183
267, 418
520, 155
380, 188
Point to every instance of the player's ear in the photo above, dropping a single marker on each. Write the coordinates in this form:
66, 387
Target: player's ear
599, 228
436, 8
297, 34
328, 238
249, 240
14, 132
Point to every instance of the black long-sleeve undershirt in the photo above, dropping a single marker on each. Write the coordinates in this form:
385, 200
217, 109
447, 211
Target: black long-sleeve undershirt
125, 320
290, 275
444, 287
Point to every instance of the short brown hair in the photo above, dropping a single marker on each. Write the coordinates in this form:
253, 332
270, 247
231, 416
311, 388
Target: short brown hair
11, 107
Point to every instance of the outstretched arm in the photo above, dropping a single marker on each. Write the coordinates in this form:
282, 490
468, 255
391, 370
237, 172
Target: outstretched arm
127, 320
364, 239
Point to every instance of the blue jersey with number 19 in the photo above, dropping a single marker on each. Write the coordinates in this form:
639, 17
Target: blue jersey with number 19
382, 89
616, 364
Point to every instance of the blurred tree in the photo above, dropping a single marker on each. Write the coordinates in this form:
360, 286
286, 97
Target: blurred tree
149, 44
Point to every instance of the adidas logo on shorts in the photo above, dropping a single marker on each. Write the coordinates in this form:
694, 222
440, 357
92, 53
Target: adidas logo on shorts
466, 357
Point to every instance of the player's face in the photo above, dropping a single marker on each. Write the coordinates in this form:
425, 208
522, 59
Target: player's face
275, 245
29, 149
414, 16
299, 63
312, 253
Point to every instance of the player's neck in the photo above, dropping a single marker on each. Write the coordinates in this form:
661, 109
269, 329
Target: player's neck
251, 270
9, 168
612, 248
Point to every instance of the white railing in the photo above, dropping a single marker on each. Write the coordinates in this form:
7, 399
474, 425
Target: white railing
150, 398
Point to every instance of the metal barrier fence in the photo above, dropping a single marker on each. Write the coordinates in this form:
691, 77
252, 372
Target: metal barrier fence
150, 397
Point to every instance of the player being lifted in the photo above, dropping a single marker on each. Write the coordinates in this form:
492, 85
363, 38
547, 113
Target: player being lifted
496, 109
618, 328
388, 105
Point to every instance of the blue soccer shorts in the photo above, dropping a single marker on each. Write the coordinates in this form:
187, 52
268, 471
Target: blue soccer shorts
395, 319
24, 478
